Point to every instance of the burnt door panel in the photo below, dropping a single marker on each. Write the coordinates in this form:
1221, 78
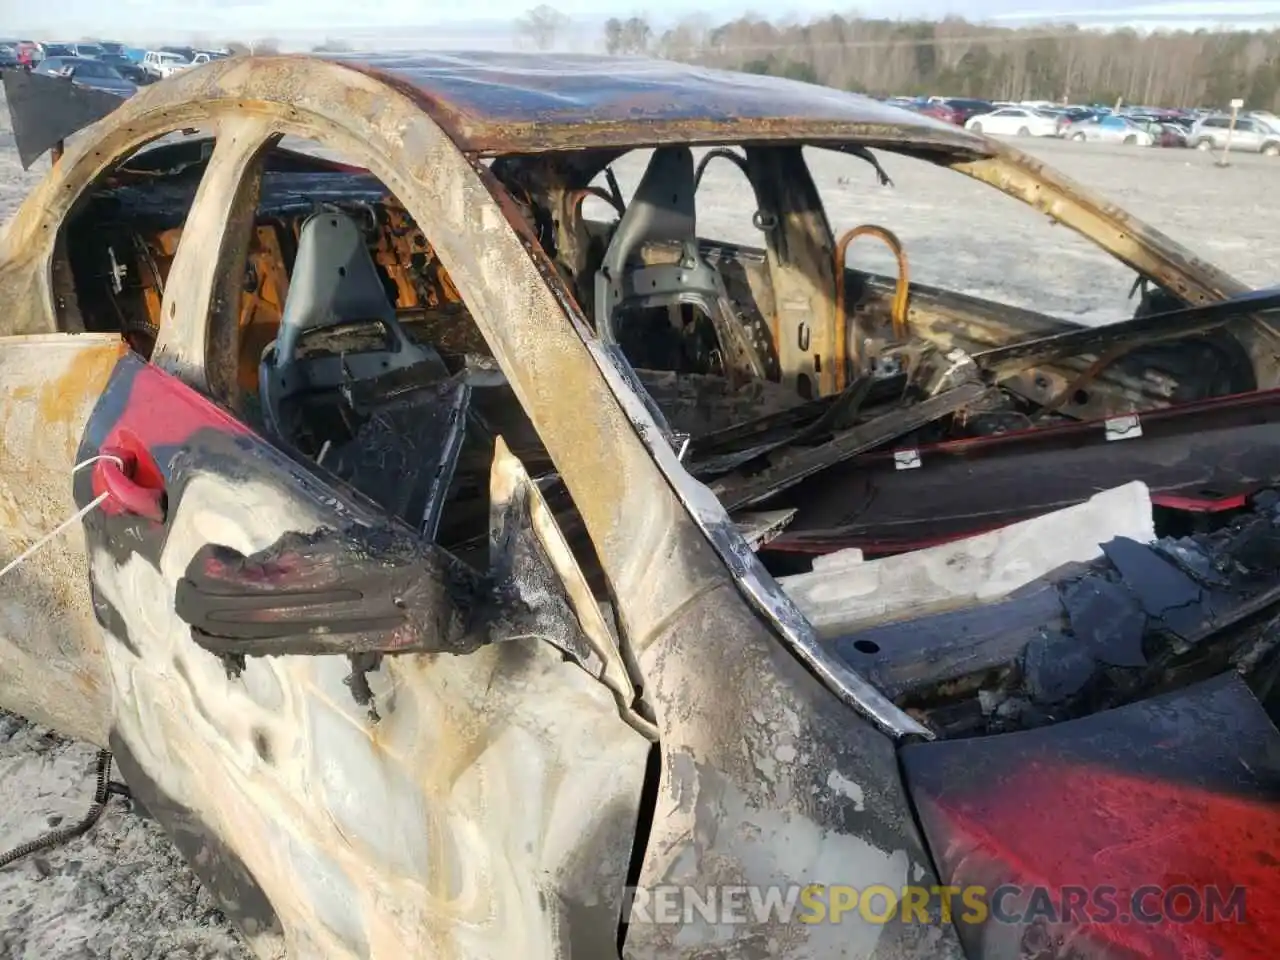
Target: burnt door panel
338, 808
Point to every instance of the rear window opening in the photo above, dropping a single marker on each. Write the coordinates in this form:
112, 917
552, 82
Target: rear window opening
387, 356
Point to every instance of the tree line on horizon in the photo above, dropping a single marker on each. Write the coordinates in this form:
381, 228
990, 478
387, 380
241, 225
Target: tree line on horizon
953, 57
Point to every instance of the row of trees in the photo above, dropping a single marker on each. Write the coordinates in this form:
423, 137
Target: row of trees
955, 57
1200, 68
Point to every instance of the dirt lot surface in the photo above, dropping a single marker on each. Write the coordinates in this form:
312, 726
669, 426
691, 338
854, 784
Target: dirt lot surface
123, 893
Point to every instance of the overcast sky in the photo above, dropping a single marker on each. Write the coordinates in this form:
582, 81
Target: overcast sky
177, 20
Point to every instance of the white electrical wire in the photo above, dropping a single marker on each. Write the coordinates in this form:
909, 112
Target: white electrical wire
78, 515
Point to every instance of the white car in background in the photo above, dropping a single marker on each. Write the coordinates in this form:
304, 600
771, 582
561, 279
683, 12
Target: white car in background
161, 64
1015, 122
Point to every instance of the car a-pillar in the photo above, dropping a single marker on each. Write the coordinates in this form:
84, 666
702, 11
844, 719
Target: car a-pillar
799, 248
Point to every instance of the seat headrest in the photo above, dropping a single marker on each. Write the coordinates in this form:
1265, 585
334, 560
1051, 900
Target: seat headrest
334, 281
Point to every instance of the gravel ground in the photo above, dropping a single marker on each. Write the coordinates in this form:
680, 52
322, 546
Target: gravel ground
123, 893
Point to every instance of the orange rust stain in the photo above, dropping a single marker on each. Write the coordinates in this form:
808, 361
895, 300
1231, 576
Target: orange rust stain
61, 400
262, 306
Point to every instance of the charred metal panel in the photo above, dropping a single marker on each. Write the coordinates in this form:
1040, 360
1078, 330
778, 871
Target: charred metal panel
769, 782
793, 466
1150, 328
1203, 452
46, 110
524, 534
516, 102
923, 652
1193, 368
52, 666
572, 89
1179, 792
217, 866
798, 244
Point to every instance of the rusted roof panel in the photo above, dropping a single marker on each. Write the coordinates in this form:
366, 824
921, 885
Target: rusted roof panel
495, 102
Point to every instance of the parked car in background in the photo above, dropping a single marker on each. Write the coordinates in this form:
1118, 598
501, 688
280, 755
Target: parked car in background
88, 72
1109, 130
1166, 133
88, 49
1014, 121
1060, 115
79, 49
8, 55
208, 56
30, 53
1251, 134
127, 68
968, 107
164, 63
939, 111
186, 53
1075, 114
113, 47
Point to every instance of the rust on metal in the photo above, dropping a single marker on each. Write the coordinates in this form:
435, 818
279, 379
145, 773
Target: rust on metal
495, 103
53, 661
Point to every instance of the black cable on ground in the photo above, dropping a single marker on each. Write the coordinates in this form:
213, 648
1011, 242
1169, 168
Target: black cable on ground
53, 838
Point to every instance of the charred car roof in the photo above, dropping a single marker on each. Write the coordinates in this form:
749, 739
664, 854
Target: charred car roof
495, 103
523, 102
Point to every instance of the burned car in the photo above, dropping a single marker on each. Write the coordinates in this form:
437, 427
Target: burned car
460, 572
